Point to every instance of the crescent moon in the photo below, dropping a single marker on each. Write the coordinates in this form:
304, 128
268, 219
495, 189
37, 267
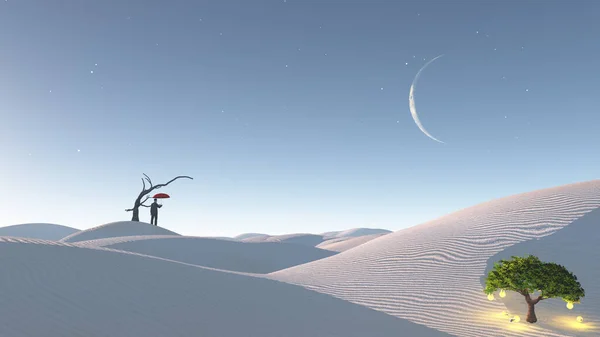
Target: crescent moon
411, 101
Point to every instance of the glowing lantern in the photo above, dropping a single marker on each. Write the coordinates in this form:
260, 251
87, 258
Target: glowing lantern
515, 319
579, 319
491, 297
502, 293
569, 305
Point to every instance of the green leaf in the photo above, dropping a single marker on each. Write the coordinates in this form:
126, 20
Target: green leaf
526, 274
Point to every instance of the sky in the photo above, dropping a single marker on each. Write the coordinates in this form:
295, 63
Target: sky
291, 116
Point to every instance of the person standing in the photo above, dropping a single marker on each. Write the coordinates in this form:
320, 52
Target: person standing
154, 212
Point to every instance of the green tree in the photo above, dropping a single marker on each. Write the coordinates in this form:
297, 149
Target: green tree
525, 275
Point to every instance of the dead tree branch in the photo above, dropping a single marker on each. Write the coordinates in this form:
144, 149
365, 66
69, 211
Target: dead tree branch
145, 191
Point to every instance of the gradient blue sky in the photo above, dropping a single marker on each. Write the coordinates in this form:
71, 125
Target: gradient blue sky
292, 116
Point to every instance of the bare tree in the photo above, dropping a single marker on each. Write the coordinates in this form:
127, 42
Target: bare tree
145, 192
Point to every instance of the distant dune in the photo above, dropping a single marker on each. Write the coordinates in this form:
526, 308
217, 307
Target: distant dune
345, 243
261, 258
44, 231
356, 232
310, 240
58, 289
246, 236
432, 273
117, 229
314, 240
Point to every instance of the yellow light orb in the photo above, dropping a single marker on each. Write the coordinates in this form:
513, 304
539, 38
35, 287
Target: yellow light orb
579, 319
502, 293
569, 305
515, 319
491, 297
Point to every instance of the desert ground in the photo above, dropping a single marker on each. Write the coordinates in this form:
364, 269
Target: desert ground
134, 279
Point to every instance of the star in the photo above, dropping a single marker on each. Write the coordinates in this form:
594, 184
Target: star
91, 71
381, 88
78, 150
526, 89
505, 117
477, 32
405, 63
286, 65
95, 64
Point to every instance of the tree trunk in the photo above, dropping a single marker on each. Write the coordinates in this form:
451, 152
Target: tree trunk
136, 214
531, 318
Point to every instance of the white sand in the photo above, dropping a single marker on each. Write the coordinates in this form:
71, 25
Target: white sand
117, 229
431, 273
43, 231
58, 289
260, 258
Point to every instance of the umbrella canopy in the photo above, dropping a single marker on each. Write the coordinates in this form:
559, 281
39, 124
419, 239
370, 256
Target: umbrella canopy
161, 196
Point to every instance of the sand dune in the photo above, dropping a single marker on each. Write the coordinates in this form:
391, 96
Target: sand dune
356, 232
314, 240
260, 258
117, 229
246, 236
58, 289
42, 231
104, 242
431, 273
310, 240
344, 243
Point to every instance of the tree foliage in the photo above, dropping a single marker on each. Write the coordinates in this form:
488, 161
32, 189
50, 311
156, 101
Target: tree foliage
527, 274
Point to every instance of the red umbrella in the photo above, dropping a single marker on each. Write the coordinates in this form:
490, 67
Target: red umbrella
161, 196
